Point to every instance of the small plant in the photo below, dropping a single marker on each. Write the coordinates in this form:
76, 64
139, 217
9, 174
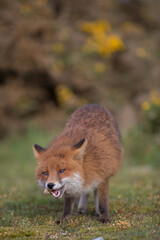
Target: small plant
67, 98
151, 113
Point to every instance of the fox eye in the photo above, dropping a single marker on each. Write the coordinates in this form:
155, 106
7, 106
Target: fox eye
62, 170
45, 173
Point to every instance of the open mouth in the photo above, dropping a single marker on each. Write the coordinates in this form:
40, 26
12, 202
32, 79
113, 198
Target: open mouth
58, 193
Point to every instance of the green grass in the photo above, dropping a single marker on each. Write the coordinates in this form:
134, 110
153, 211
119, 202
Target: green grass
26, 213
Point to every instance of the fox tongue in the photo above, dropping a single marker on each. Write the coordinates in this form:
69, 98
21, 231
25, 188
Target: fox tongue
55, 192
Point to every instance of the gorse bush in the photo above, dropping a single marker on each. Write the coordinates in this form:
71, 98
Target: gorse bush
151, 113
142, 143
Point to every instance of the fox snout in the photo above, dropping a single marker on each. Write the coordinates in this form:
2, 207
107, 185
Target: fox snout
50, 186
57, 190
53, 185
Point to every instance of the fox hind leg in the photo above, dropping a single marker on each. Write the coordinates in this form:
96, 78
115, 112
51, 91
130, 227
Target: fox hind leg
82, 205
96, 201
104, 202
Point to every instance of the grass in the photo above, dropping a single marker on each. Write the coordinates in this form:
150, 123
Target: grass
26, 213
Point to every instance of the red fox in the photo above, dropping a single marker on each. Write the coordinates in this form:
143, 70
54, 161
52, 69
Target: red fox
81, 160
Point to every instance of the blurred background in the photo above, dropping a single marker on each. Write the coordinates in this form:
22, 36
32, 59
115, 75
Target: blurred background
57, 55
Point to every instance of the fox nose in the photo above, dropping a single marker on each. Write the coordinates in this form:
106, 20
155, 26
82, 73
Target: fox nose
50, 185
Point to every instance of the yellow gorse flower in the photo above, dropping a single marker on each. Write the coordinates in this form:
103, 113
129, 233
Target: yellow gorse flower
155, 98
96, 27
145, 106
111, 44
100, 41
103, 44
99, 67
58, 47
64, 94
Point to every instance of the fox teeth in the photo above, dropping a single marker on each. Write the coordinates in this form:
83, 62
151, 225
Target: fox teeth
56, 195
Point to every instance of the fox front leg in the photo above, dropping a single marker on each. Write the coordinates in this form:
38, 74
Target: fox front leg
68, 208
82, 205
104, 202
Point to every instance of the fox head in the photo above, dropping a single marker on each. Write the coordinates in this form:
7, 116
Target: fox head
60, 170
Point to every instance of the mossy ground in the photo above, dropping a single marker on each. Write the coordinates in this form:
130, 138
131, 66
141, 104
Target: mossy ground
26, 213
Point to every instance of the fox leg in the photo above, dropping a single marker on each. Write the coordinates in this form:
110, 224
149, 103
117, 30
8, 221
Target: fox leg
68, 208
96, 200
104, 202
83, 202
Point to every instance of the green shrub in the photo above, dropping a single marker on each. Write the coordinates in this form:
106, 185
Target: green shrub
151, 113
141, 147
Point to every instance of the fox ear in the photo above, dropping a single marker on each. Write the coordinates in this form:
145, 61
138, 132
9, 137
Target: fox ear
37, 150
80, 149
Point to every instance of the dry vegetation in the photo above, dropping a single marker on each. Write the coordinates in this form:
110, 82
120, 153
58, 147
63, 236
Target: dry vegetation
56, 55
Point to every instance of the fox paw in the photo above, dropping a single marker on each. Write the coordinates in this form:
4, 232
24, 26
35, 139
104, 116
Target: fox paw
64, 219
105, 220
81, 212
58, 222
